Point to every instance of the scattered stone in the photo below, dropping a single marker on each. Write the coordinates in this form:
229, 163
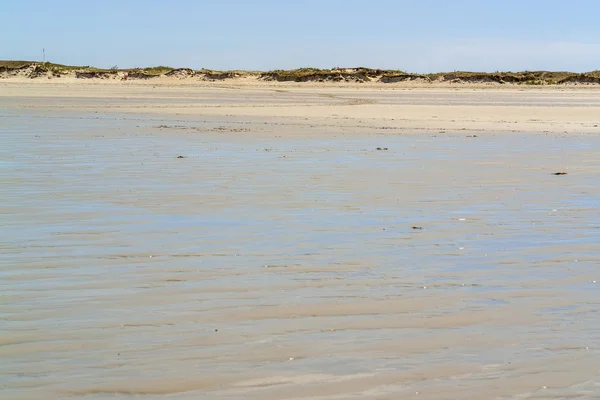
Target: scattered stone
417, 227
382, 149
180, 156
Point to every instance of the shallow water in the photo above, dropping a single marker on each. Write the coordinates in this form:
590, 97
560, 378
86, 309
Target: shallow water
286, 267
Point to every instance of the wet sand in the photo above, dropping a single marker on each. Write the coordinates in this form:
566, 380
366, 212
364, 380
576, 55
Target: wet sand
277, 259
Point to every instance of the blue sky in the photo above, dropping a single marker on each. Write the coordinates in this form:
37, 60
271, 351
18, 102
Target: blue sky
417, 36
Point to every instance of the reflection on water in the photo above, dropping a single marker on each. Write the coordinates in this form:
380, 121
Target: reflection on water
263, 267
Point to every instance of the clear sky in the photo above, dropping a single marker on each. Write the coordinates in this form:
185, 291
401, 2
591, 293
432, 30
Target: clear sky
416, 35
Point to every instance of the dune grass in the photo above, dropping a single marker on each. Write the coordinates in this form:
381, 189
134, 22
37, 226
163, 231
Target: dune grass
14, 64
158, 70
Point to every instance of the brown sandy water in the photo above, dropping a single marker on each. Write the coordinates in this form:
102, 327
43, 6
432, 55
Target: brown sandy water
269, 264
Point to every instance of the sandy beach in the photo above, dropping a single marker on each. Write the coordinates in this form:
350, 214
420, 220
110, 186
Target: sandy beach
309, 107
298, 241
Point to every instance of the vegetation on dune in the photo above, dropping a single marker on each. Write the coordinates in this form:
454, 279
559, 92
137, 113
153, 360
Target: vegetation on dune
296, 75
300, 72
308, 74
520, 78
63, 68
326, 74
159, 70
214, 71
14, 64
41, 66
52, 67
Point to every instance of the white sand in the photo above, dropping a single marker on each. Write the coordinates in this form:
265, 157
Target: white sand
350, 108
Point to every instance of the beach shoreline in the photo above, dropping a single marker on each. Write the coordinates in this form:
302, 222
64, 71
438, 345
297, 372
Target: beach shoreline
311, 107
